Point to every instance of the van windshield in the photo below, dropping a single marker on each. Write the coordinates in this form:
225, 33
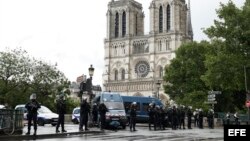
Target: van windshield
114, 105
111, 98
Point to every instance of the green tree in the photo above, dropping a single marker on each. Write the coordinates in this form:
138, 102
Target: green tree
225, 68
184, 75
21, 75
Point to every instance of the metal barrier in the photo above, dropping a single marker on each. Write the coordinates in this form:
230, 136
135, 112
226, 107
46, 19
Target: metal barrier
7, 116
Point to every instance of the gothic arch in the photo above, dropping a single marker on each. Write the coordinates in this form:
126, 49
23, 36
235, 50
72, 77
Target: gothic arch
168, 12
138, 94
116, 24
160, 19
122, 72
124, 23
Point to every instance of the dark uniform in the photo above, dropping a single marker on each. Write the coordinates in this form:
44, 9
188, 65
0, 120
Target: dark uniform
102, 111
151, 114
182, 118
228, 118
84, 113
174, 118
236, 118
189, 116
132, 116
210, 118
196, 120
95, 113
32, 108
61, 110
200, 119
162, 118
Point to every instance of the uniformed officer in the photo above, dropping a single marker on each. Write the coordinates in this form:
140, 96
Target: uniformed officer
236, 118
196, 120
228, 118
210, 118
102, 111
84, 113
32, 108
182, 117
95, 113
162, 118
133, 116
174, 118
61, 110
189, 116
200, 117
151, 114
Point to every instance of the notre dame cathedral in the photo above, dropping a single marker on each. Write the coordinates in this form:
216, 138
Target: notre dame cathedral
134, 61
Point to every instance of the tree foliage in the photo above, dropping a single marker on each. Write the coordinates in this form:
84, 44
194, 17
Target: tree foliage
184, 74
21, 75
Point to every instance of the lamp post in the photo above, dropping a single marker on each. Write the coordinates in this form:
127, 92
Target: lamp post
158, 86
91, 73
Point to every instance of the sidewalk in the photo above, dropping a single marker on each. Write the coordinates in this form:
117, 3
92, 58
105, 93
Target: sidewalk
48, 131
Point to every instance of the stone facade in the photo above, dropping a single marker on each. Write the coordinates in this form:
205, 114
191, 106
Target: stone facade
134, 62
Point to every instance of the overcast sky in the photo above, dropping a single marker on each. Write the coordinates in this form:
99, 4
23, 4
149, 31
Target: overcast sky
71, 32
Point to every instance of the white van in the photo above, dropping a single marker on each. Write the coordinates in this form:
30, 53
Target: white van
45, 115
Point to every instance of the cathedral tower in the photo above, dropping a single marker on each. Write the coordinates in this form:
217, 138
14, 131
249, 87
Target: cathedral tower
134, 62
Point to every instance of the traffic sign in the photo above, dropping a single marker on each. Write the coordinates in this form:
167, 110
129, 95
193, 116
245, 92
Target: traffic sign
212, 99
211, 96
214, 92
211, 102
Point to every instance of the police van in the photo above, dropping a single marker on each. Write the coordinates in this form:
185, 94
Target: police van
114, 103
142, 106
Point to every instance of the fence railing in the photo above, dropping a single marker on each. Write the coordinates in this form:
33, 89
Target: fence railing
11, 120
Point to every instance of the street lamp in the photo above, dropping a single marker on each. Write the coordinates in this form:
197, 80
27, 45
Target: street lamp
158, 86
89, 82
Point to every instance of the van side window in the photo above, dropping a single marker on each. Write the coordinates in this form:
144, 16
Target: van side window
145, 107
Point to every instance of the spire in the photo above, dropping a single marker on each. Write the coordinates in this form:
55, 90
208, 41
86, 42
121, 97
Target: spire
189, 22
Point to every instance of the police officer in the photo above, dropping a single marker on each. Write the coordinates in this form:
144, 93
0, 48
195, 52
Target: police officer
162, 118
196, 120
210, 118
236, 118
151, 115
228, 118
182, 117
174, 118
200, 117
32, 108
95, 113
84, 113
102, 111
61, 110
132, 116
189, 116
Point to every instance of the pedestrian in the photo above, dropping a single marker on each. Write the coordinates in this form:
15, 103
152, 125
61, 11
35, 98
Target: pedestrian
61, 111
95, 113
151, 114
182, 117
189, 116
84, 113
236, 118
102, 111
228, 116
32, 107
210, 118
196, 121
132, 114
200, 117
162, 118
174, 118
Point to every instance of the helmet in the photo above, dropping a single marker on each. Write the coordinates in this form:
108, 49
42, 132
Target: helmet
134, 103
33, 96
190, 107
61, 96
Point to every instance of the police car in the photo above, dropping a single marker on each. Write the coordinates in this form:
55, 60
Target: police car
76, 115
44, 116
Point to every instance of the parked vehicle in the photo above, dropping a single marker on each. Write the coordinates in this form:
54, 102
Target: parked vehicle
76, 115
45, 115
116, 110
2, 107
142, 106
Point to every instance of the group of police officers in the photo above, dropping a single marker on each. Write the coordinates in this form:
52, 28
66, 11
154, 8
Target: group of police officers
159, 117
174, 117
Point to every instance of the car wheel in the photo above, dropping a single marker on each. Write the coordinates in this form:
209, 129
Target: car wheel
40, 122
75, 121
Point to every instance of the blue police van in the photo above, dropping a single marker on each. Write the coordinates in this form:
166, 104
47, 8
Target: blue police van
142, 106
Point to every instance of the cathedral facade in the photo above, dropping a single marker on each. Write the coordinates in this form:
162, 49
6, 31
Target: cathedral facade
134, 61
